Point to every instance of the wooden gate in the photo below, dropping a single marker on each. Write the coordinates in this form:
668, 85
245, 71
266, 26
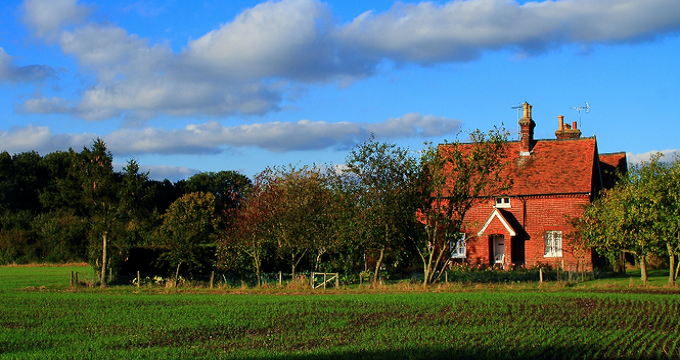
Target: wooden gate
327, 277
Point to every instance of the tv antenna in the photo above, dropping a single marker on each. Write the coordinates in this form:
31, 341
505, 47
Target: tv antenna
579, 108
519, 108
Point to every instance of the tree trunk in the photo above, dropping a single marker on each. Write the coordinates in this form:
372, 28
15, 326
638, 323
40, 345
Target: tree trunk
103, 274
671, 259
258, 275
177, 273
377, 266
643, 269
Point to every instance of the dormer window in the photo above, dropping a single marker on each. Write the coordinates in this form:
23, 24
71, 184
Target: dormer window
502, 202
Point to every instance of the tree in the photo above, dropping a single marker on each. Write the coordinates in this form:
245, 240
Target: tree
135, 206
188, 224
384, 174
253, 223
302, 219
639, 215
454, 177
672, 217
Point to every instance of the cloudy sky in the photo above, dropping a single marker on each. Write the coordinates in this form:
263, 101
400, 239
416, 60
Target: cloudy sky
185, 86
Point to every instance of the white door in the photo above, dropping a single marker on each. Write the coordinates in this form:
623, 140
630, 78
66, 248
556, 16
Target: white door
498, 248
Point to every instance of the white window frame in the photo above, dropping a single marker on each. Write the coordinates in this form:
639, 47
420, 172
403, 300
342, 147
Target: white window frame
458, 248
553, 243
502, 202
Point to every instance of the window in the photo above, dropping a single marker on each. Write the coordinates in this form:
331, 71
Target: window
458, 248
553, 244
502, 202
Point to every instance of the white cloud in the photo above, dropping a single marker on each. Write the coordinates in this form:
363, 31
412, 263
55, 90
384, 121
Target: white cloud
428, 33
48, 16
668, 156
41, 139
213, 137
289, 38
249, 64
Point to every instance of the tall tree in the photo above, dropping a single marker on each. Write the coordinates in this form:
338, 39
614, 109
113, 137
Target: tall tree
99, 190
136, 212
384, 174
638, 216
302, 219
455, 177
253, 224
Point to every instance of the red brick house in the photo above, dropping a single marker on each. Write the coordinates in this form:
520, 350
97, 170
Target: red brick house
552, 180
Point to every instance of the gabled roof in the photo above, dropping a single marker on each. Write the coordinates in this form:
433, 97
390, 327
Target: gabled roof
569, 164
559, 166
554, 167
506, 223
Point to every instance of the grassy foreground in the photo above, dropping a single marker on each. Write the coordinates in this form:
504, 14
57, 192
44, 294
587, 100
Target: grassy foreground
41, 318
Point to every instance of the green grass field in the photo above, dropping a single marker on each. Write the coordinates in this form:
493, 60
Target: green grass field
41, 318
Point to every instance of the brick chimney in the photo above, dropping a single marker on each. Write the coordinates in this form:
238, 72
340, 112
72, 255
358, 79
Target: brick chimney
564, 131
527, 124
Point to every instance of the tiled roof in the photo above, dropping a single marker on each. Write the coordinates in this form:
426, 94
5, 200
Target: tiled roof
554, 166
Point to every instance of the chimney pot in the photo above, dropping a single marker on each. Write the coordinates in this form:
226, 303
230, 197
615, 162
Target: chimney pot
561, 122
573, 125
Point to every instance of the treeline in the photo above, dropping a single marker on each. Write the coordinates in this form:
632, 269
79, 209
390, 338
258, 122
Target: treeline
60, 207
366, 216
639, 216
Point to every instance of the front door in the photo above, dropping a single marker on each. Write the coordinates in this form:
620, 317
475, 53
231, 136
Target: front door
498, 249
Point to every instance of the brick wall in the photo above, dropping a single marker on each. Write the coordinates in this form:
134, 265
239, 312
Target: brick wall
534, 214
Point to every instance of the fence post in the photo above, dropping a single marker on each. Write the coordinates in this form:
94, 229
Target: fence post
324, 281
446, 276
212, 278
70, 283
540, 275
138, 278
311, 281
337, 280
281, 279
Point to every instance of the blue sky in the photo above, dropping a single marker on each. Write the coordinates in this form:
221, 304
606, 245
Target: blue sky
184, 87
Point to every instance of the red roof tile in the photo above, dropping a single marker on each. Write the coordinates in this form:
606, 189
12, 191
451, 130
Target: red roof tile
554, 166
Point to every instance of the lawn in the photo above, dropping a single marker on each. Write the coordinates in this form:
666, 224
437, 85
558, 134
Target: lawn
40, 317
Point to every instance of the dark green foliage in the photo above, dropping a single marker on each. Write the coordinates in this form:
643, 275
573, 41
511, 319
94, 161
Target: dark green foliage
189, 224
62, 236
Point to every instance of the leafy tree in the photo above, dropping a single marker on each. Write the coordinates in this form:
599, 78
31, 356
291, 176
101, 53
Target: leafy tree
188, 225
384, 176
639, 215
302, 219
455, 177
254, 221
